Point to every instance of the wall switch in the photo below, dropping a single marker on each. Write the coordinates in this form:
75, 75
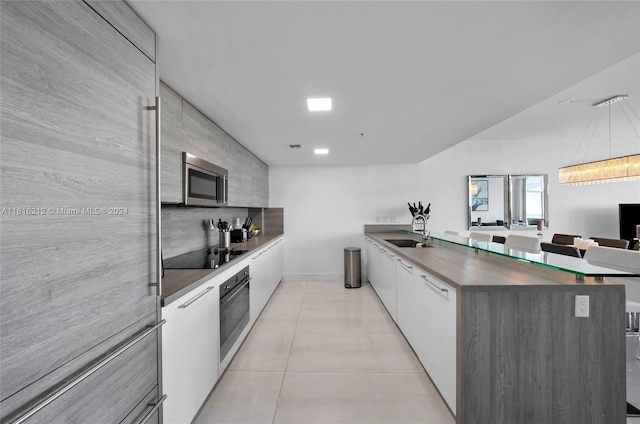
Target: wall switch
582, 305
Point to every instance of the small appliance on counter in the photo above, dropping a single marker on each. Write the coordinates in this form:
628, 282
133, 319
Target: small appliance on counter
239, 236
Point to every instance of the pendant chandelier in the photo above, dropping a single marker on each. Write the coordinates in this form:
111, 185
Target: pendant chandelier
625, 168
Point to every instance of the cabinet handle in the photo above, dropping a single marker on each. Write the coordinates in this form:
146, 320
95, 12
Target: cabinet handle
409, 268
74, 381
158, 283
153, 410
186, 305
434, 285
389, 255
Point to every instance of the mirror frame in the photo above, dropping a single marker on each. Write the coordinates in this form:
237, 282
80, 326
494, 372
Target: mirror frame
505, 211
508, 195
545, 200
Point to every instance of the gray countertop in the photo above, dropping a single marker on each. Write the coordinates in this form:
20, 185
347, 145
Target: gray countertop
178, 282
470, 269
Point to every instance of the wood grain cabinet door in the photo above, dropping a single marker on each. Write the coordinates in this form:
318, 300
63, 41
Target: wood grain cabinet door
78, 211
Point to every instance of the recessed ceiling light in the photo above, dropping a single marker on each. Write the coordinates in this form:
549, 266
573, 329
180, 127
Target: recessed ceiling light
321, 151
319, 104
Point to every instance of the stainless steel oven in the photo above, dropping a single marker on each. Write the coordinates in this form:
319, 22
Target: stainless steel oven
234, 309
205, 184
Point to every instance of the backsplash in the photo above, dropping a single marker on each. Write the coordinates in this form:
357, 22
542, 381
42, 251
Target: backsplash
184, 230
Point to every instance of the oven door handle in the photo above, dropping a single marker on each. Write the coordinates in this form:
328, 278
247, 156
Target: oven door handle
228, 298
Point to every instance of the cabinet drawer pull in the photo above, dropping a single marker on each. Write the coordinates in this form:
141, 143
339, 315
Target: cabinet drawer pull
409, 268
434, 285
105, 359
190, 301
390, 256
153, 410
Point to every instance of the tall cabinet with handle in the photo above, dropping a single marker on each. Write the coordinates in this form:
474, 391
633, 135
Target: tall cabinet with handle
79, 297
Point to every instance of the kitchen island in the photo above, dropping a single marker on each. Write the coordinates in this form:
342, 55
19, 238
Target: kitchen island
521, 354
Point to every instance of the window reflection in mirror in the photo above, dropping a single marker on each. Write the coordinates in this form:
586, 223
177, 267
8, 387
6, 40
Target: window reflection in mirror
487, 205
528, 200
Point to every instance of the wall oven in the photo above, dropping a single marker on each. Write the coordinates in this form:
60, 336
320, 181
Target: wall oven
205, 184
234, 309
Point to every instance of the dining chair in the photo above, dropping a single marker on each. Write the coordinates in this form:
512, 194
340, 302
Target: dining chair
636, 245
563, 238
607, 242
612, 257
562, 249
499, 239
480, 236
524, 243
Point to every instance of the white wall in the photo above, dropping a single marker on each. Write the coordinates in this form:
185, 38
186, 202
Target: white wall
326, 207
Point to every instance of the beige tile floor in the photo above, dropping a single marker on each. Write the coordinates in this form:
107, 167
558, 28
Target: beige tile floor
320, 353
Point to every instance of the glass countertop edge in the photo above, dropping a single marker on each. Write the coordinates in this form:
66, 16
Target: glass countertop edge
539, 258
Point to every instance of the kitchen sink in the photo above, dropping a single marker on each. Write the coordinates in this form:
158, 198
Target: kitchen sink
403, 242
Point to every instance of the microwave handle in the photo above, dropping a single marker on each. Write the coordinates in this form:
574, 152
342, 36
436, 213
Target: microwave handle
223, 188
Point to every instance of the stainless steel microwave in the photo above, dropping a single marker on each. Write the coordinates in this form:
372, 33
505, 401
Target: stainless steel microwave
205, 184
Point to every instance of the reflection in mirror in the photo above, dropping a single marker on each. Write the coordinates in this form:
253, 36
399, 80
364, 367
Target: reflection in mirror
528, 201
487, 205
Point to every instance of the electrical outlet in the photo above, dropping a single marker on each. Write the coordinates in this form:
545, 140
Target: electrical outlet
582, 306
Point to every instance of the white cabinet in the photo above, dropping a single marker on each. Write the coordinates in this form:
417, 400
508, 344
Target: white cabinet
190, 352
438, 351
411, 313
388, 292
276, 264
381, 269
266, 268
258, 293
373, 273
427, 317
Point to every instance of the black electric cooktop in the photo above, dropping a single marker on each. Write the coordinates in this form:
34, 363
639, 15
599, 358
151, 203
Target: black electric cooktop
209, 258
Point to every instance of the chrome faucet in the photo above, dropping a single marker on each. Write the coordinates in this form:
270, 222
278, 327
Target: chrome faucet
419, 225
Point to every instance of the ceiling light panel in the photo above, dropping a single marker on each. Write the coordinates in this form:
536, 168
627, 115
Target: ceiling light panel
319, 104
321, 151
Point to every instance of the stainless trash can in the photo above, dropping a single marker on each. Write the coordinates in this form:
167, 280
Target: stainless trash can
351, 267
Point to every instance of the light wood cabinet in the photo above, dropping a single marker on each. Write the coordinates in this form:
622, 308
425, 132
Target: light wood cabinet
77, 243
185, 129
171, 145
190, 346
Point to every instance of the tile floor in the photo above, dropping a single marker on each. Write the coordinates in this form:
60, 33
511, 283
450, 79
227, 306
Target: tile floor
320, 353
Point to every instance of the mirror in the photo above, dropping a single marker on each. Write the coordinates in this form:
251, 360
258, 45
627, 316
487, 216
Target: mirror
507, 201
528, 201
487, 201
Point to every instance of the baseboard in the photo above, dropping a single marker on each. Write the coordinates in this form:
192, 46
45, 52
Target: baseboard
312, 277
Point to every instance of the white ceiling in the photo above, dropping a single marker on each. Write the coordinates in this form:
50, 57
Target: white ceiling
414, 77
